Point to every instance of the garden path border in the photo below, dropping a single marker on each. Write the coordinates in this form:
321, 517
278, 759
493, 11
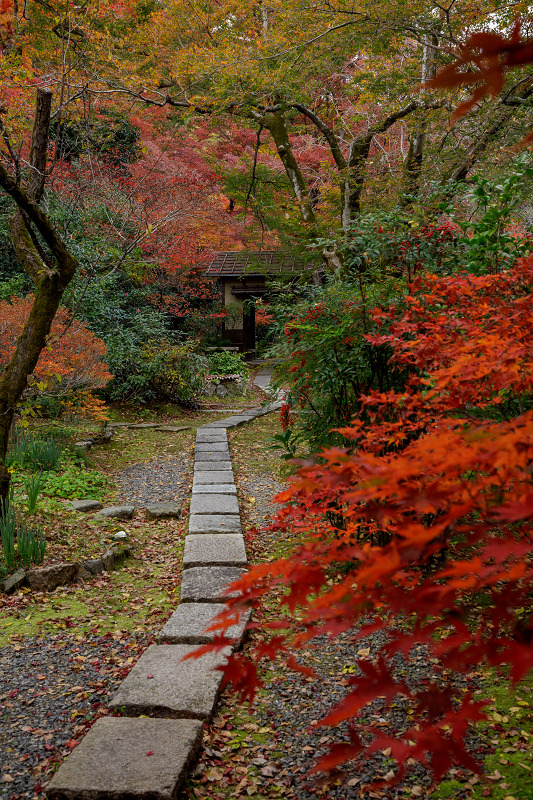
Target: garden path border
164, 701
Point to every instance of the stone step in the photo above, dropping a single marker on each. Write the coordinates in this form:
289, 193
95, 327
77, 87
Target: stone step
214, 488
162, 685
214, 504
221, 549
128, 758
211, 447
213, 435
212, 476
188, 624
207, 584
214, 523
215, 465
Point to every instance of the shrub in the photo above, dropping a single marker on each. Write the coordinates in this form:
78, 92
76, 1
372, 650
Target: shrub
326, 359
178, 371
227, 363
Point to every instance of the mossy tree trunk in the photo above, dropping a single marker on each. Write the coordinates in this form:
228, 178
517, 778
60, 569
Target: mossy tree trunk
49, 263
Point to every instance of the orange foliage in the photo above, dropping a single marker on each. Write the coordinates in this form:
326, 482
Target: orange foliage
429, 512
72, 364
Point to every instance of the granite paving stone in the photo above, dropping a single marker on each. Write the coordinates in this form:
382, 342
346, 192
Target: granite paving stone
211, 447
163, 510
161, 684
207, 584
117, 512
214, 466
214, 523
213, 435
221, 549
213, 455
214, 504
128, 758
214, 488
188, 624
86, 505
212, 476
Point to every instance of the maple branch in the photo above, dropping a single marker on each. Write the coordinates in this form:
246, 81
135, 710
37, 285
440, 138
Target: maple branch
327, 133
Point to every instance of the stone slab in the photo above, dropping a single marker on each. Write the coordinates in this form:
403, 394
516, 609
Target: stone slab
213, 435
13, 582
212, 455
207, 584
206, 465
221, 549
214, 504
214, 488
161, 684
86, 505
173, 428
117, 512
214, 523
212, 476
128, 758
188, 624
46, 579
211, 447
167, 510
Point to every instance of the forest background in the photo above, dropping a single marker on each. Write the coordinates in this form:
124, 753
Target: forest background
164, 133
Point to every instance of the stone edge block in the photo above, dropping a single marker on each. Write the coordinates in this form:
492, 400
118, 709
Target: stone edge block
112, 762
215, 543
215, 523
177, 631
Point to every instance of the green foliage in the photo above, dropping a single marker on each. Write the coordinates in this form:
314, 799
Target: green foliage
227, 363
20, 544
34, 485
13, 286
109, 134
286, 443
488, 245
117, 311
31, 544
75, 482
177, 371
28, 449
325, 358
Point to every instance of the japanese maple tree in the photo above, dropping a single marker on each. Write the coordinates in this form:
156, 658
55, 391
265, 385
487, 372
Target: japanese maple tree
422, 526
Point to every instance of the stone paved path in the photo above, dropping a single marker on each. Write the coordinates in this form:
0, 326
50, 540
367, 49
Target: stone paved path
164, 700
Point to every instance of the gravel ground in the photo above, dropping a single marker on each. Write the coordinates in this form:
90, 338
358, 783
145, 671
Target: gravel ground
155, 482
49, 692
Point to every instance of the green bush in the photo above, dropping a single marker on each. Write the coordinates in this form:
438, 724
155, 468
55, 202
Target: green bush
326, 361
227, 363
177, 371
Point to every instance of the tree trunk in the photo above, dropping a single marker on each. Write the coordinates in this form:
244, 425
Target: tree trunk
413, 163
51, 273
276, 123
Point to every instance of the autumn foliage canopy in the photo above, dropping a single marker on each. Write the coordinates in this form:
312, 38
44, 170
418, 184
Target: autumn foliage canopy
70, 367
426, 514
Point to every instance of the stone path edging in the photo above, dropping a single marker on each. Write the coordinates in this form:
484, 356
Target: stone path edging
148, 751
